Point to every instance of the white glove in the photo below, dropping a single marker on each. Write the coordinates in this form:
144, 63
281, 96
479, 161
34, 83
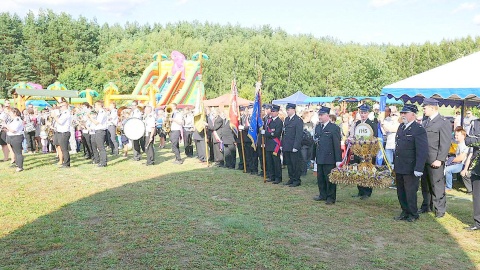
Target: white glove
262, 132
294, 150
418, 174
312, 161
393, 166
240, 127
338, 163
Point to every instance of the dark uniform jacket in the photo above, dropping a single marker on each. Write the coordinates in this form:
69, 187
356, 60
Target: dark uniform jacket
227, 135
411, 149
215, 125
439, 136
473, 140
292, 133
274, 130
327, 148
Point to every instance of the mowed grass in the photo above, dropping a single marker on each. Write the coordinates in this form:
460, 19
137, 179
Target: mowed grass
166, 216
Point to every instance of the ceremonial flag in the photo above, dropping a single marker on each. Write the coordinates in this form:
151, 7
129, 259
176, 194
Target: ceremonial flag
233, 113
199, 111
379, 158
256, 119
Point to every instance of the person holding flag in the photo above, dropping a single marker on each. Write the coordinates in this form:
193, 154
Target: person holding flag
255, 123
228, 139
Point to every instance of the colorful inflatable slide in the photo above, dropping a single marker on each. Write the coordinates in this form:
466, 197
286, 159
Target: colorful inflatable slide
176, 79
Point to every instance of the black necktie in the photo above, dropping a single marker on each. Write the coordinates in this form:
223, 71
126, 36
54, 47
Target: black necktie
321, 126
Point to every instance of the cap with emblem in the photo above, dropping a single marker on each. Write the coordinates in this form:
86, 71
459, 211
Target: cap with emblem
409, 108
430, 102
266, 106
275, 108
250, 106
364, 108
324, 110
291, 106
241, 108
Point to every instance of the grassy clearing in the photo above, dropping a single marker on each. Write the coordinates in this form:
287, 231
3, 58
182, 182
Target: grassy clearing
188, 216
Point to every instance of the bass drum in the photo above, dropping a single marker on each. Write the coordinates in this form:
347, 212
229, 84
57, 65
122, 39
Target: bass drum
134, 128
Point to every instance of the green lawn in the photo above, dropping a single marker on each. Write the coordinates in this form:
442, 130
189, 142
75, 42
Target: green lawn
129, 216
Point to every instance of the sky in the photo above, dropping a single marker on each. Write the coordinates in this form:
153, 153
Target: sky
394, 22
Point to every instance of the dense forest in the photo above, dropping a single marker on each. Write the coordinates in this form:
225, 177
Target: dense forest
81, 53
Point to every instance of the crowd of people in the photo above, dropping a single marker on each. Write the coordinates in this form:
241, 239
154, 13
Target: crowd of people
418, 148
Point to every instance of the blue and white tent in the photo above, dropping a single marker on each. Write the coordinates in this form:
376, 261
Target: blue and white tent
297, 98
454, 84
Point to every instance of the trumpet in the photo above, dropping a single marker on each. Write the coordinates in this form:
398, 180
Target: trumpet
168, 117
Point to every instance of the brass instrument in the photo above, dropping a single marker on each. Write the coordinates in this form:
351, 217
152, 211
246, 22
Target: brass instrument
168, 117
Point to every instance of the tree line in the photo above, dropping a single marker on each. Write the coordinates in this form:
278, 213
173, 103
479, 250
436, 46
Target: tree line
81, 53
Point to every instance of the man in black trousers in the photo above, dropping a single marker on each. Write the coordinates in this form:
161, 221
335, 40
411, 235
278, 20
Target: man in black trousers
328, 154
439, 136
364, 110
410, 156
273, 133
291, 145
473, 141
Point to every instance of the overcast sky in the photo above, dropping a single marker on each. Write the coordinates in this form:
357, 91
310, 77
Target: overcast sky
364, 21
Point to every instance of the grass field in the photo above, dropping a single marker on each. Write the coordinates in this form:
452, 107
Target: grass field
129, 216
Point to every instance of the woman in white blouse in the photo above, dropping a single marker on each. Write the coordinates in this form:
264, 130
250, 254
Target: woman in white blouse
15, 135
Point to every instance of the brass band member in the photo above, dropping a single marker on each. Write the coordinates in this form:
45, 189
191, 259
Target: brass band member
273, 134
63, 122
149, 120
188, 131
112, 122
176, 126
15, 137
136, 113
100, 122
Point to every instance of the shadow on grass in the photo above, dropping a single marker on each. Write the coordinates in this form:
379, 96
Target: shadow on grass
210, 218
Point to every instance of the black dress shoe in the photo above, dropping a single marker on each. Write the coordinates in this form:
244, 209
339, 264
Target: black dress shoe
288, 183
421, 211
472, 228
317, 198
401, 217
364, 197
277, 182
295, 184
269, 180
411, 219
253, 173
330, 203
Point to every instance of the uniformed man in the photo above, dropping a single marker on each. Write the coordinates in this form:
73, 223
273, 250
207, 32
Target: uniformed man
215, 124
291, 145
266, 110
327, 153
63, 124
410, 155
228, 139
199, 139
439, 135
364, 110
112, 122
15, 131
100, 122
250, 153
273, 143
176, 127
473, 141
238, 141
149, 121
136, 113
188, 128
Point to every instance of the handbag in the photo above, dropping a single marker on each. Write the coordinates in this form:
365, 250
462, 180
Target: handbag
29, 127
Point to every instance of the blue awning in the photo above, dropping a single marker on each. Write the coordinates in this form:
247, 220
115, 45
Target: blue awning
453, 84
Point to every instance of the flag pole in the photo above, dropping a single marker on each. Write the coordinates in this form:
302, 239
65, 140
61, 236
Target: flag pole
243, 153
206, 145
263, 154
